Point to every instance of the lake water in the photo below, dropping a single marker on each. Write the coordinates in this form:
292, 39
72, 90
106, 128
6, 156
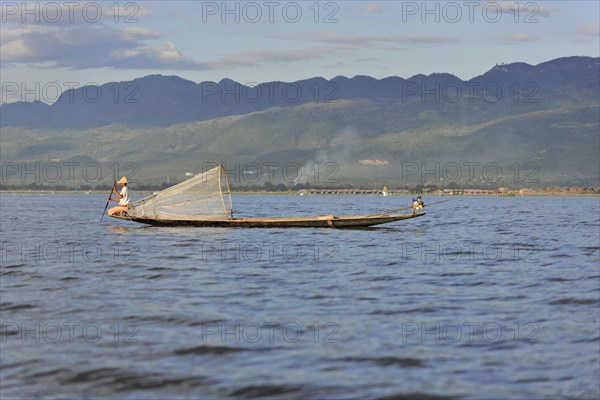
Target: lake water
483, 298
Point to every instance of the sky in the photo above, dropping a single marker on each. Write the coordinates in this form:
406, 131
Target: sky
48, 47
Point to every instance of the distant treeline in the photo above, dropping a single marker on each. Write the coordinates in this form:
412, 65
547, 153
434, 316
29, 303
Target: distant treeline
266, 186
270, 187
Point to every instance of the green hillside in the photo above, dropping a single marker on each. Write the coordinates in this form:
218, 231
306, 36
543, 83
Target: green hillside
348, 142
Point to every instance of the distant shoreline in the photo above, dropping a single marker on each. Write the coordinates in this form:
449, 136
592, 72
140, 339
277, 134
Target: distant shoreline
279, 193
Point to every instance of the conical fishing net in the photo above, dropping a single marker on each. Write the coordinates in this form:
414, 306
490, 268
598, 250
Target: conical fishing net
198, 198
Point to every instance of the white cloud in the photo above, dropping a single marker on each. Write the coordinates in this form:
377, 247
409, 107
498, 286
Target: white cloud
93, 46
586, 33
13, 33
373, 40
80, 35
135, 33
523, 10
125, 53
333, 45
72, 13
522, 37
16, 49
166, 55
372, 8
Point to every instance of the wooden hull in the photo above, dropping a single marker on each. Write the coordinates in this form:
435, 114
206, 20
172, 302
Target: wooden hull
329, 221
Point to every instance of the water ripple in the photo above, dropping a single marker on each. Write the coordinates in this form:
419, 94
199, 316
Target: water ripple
488, 293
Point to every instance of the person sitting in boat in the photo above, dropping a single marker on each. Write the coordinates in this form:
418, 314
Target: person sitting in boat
417, 204
122, 198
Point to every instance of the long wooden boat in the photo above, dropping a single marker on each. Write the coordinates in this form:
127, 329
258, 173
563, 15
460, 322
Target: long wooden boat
328, 221
200, 201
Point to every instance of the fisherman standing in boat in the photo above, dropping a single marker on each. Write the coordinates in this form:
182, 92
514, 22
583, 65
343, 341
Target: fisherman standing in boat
122, 198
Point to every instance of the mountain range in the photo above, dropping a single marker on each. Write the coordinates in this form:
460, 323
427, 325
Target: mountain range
540, 122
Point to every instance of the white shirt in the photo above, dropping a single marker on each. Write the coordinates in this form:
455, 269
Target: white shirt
125, 199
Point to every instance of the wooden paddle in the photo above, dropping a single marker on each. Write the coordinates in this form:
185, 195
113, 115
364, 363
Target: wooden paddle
108, 201
391, 211
407, 207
